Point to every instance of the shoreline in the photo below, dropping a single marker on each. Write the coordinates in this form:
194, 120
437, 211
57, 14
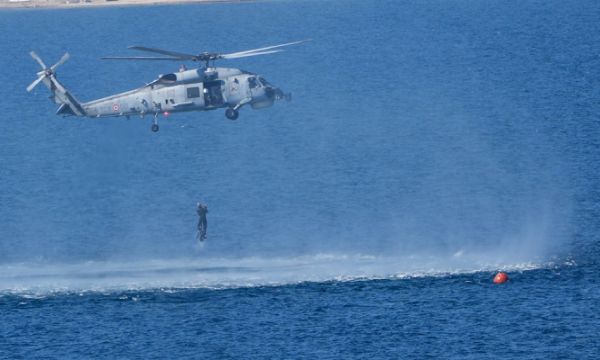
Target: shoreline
79, 4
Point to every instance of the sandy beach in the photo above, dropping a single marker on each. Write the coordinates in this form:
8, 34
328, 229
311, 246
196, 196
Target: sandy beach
17, 4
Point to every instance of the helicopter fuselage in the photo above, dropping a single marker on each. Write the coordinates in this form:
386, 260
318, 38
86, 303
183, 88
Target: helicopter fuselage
188, 90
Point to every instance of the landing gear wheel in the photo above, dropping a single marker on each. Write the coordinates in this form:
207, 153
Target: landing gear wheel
154, 127
232, 114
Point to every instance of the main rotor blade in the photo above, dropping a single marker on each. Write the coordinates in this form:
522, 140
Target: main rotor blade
138, 58
265, 48
241, 55
34, 83
179, 55
62, 60
38, 59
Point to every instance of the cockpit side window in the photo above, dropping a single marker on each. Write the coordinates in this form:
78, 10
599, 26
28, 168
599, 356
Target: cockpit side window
252, 82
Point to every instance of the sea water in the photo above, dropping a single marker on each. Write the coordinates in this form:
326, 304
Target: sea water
428, 145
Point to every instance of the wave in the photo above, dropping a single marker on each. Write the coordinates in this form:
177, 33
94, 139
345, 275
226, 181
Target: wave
220, 273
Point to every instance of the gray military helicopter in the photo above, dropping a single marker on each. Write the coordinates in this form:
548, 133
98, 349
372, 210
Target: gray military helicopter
200, 89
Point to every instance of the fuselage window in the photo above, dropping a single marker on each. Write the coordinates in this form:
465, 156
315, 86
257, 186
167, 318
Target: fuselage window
193, 92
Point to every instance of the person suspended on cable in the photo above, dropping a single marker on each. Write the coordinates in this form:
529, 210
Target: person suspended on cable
202, 210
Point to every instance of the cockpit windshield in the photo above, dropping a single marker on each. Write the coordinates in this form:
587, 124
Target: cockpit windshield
263, 81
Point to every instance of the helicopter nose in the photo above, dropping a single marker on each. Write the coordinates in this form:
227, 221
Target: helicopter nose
274, 93
270, 92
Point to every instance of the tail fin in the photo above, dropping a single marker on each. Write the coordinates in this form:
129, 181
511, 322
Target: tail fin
68, 104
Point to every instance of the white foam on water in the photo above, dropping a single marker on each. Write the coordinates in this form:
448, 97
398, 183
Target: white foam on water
217, 273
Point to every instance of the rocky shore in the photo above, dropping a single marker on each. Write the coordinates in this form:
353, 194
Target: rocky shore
15, 4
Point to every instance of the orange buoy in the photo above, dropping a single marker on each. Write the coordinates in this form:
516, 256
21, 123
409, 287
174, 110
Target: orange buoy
500, 278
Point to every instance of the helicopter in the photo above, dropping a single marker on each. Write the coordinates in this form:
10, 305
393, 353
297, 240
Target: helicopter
200, 89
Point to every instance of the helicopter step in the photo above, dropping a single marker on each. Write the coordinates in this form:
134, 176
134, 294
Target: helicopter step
242, 103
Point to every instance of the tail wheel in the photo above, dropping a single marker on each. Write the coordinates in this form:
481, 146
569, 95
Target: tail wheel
154, 127
232, 114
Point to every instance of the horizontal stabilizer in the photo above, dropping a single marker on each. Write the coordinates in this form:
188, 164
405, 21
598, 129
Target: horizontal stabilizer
65, 109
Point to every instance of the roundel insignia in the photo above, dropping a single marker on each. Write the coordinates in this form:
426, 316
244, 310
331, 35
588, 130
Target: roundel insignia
115, 107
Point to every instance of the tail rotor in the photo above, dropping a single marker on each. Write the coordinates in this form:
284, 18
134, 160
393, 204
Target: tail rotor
61, 96
46, 71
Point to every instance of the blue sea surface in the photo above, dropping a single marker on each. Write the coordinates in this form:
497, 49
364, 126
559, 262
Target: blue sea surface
428, 145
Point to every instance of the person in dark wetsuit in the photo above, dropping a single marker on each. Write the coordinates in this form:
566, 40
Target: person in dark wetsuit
202, 210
